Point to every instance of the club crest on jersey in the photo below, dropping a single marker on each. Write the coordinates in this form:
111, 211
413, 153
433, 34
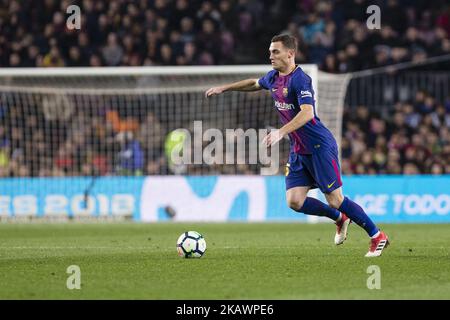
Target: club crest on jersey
285, 92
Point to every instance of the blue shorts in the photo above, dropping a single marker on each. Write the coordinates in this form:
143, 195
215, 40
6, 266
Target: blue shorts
318, 170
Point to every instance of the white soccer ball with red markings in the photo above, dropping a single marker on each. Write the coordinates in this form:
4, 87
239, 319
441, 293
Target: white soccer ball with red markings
191, 244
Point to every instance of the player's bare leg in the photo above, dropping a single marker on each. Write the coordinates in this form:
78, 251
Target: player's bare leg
298, 200
295, 197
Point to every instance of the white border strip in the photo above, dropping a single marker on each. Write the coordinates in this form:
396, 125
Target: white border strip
137, 71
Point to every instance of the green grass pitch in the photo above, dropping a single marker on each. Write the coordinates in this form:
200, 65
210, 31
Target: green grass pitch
243, 261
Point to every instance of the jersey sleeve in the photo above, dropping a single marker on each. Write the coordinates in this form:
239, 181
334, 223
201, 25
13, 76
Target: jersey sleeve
304, 91
264, 82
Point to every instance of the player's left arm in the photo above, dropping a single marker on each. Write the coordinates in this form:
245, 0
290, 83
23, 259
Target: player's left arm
304, 116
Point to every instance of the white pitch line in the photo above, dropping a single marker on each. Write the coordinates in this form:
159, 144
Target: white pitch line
74, 248
154, 247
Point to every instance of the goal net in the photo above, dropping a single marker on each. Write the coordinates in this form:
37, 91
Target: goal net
93, 122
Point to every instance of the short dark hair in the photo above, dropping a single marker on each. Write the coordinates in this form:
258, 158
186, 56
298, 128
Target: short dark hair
287, 40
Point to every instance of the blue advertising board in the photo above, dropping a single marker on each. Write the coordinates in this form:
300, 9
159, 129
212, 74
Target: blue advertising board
390, 199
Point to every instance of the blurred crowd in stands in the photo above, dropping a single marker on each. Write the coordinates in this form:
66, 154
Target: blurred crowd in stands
411, 138
333, 34
83, 144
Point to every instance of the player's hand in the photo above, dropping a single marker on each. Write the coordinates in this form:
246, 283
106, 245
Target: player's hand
272, 138
213, 91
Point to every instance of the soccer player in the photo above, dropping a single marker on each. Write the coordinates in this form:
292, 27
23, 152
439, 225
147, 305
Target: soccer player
313, 159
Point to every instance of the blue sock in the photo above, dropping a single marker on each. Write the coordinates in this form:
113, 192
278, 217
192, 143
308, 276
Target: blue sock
315, 207
357, 214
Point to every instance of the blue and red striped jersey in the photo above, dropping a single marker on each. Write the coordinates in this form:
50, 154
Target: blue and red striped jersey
289, 92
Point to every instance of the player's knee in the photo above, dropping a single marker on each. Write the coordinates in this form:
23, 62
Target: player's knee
334, 204
335, 201
295, 203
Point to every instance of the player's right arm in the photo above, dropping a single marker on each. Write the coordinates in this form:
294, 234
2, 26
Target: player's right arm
243, 85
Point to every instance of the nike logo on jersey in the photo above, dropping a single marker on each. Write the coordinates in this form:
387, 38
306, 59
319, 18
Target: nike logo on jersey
331, 184
274, 89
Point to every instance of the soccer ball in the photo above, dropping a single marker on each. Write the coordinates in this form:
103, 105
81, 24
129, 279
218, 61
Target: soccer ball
191, 244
